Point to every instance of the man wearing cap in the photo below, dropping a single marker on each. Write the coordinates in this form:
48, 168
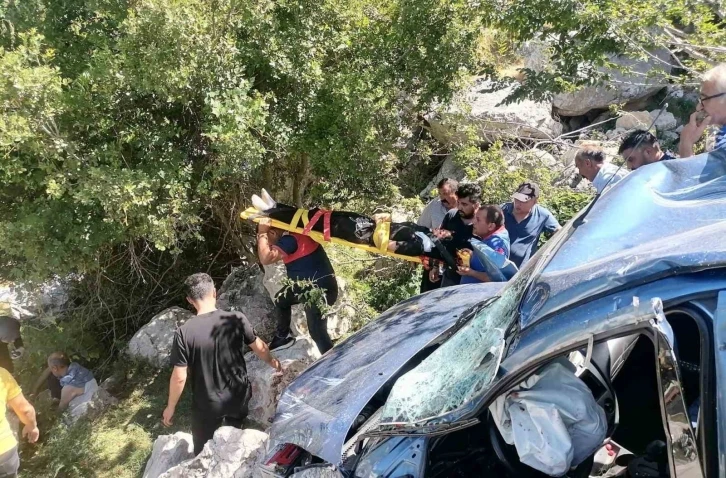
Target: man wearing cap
525, 221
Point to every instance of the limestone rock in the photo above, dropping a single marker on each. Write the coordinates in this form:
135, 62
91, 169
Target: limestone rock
665, 122
318, 471
169, 451
244, 290
532, 159
448, 169
267, 384
629, 88
153, 341
616, 134
232, 453
634, 120
100, 400
21, 301
493, 120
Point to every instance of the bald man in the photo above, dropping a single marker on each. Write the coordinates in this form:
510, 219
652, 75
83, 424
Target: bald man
711, 110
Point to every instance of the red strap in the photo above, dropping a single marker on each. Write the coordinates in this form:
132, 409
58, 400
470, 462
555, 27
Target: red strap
314, 220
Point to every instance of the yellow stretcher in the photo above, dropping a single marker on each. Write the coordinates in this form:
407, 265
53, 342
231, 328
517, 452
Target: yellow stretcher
380, 235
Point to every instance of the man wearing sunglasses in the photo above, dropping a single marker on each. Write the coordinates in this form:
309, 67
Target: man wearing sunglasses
711, 110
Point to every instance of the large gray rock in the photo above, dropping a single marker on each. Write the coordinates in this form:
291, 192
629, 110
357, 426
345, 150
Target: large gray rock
665, 122
647, 78
23, 301
169, 451
267, 384
99, 400
153, 341
493, 120
448, 169
630, 120
244, 290
232, 453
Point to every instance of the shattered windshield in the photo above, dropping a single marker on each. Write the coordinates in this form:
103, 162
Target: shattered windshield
466, 364
459, 369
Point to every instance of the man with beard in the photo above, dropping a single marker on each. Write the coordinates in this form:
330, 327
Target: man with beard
457, 229
525, 221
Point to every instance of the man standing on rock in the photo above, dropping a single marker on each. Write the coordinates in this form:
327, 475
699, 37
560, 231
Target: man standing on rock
711, 110
640, 148
433, 215
313, 280
525, 221
211, 347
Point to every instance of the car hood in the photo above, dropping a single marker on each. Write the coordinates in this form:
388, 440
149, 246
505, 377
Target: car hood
316, 411
663, 219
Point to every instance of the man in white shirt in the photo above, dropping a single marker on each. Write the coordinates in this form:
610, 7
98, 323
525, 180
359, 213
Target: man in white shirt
432, 216
591, 165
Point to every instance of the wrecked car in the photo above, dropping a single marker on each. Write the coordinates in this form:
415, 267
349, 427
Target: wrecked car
610, 331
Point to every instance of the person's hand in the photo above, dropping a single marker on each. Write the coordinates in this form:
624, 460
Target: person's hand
31, 433
276, 365
167, 416
441, 233
691, 133
464, 271
434, 274
263, 227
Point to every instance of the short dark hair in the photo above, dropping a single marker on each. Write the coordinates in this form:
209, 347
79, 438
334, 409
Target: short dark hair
452, 183
58, 359
470, 191
593, 154
637, 138
198, 286
494, 214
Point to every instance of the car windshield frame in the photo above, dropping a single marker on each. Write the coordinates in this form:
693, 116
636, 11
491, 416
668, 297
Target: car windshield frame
441, 389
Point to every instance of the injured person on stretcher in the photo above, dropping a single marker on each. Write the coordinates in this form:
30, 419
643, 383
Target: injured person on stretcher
403, 238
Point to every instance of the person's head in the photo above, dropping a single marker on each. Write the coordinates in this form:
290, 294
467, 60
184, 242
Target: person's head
200, 291
447, 192
487, 220
640, 148
713, 94
525, 198
469, 198
58, 362
588, 162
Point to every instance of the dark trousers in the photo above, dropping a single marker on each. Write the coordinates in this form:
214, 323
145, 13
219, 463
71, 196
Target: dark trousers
426, 284
204, 425
317, 324
54, 386
5, 361
9, 463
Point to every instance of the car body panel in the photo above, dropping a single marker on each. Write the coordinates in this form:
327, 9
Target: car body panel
317, 409
677, 227
719, 331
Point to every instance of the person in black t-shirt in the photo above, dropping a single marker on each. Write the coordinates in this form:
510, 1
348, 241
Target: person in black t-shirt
457, 229
308, 266
210, 347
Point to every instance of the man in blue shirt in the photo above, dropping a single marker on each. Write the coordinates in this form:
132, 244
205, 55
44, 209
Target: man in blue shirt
488, 230
711, 110
525, 221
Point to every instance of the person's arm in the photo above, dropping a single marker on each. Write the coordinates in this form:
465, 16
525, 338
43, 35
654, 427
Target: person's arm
268, 255
41, 380
551, 223
468, 271
68, 393
176, 387
26, 413
261, 349
691, 133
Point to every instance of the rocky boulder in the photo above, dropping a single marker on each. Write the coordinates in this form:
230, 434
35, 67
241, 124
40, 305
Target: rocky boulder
633, 120
643, 80
448, 169
232, 453
267, 384
245, 290
665, 122
494, 120
169, 451
22, 302
153, 341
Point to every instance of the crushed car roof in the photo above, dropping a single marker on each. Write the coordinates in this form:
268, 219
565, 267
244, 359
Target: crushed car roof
663, 219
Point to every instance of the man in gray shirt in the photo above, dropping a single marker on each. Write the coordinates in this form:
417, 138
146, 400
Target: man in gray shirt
432, 216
